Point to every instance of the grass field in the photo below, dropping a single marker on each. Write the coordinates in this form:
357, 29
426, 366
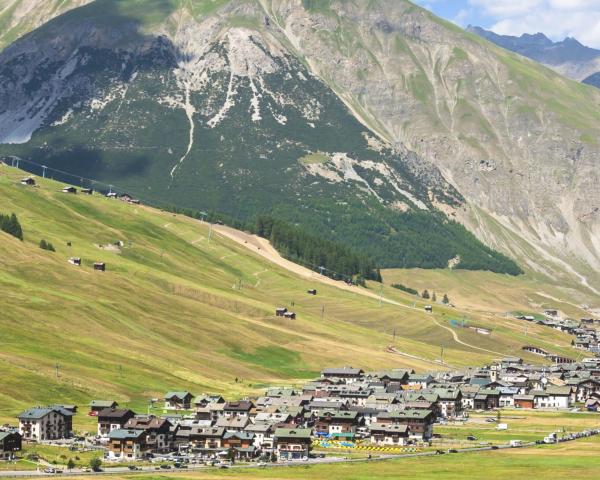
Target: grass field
169, 313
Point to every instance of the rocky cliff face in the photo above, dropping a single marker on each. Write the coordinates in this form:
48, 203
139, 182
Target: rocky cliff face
160, 97
517, 140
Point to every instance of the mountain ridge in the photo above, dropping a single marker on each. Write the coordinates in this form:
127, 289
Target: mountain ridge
490, 123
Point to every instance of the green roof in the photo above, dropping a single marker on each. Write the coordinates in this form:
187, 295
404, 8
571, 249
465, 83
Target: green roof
124, 433
293, 433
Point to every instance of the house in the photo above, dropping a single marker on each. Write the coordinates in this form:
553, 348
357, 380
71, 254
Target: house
203, 401
535, 350
263, 435
69, 189
337, 424
552, 397
110, 419
242, 444
420, 422
423, 380
348, 374
100, 266
208, 440
233, 424
46, 423
178, 401
98, 405
111, 195
87, 191
289, 315
524, 401
388, 434
10, 442
75, 261
240, 408
292, 443
28, 181
487, 399
280, 312
158, 431
428, 308
128, 444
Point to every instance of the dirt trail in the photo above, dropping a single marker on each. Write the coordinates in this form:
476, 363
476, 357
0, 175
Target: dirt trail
265, 249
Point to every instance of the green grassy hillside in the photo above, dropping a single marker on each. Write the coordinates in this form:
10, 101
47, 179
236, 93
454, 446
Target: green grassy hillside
169, 313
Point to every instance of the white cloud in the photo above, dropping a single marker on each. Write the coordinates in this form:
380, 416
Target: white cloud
556, 18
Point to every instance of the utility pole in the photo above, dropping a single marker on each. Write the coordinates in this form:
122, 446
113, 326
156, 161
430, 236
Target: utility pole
110, 189
442, 353
321, 269
394, 340
57, 367
380, 295
121, 371
44, 167
322, 312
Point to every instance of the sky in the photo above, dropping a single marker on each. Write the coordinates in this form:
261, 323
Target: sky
556, 18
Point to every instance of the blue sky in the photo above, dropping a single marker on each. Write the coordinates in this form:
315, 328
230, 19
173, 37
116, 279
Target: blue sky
556, 18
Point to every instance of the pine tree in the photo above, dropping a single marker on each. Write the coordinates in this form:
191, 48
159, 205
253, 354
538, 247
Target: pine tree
445, 299
425, 294
43, 244
434, 297
11, 226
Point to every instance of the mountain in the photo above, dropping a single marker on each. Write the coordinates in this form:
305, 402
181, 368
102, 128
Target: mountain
375, 123
569, 57
218, 115
18, 17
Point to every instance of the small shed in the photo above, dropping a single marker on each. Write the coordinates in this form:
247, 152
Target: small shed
87, 191
100, 266
28, 181
126, 197
111, 195
280, 312
69, 189
428, 308
311, 292
290, 315
75, 261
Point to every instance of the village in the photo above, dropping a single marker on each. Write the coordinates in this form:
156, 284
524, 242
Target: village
345, 408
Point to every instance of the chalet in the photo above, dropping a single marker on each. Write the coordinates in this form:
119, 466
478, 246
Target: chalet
289, 315
420, 422
158, 430
203, 401
110, 419
46, 423
559, 359
311, 292
207, 440
338, 424
237, 409
242, 444
263, 435
348, 374
386, 434
100, 266
487, 399
280, 312
592, 404
524, 401
234, 424
535, 350
552, 397
98, 405
395, 376
178, 400
75, 261
292, 444
87, 191
423, 380
585, 388
128, 444
69, 189
10, 442
125, 197
28, 181
449, 401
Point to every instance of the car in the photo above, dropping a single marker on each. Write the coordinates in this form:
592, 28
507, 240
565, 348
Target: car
262, 464
180, 465
472, 438
439, 452
452, 450
164, 466
494, 447
134, 467
223, 465
49, 470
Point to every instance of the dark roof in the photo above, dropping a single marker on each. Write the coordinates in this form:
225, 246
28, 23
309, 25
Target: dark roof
115, 413
40, 412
